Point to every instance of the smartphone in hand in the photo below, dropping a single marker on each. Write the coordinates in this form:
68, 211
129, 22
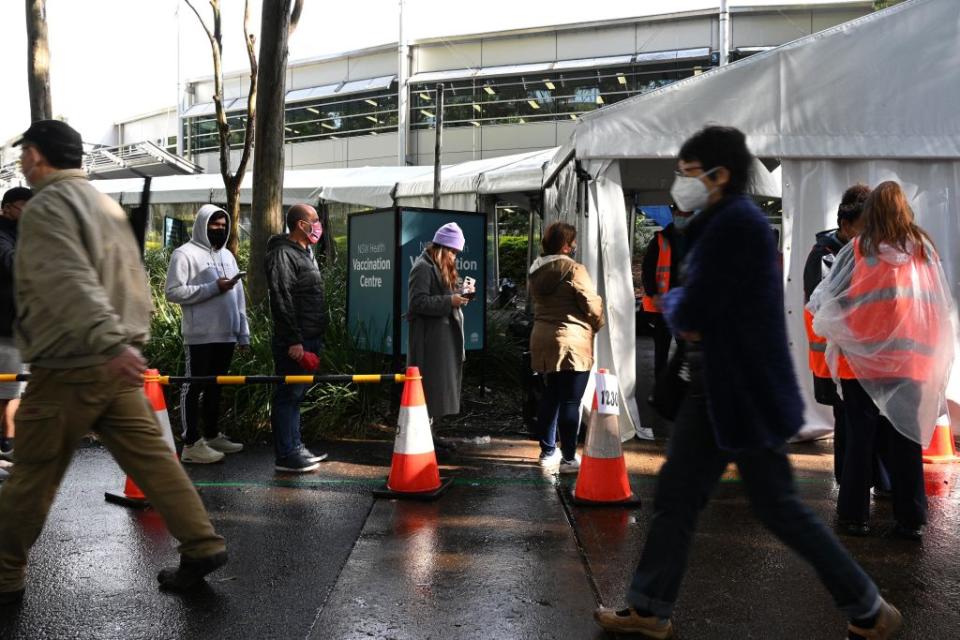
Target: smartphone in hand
469, 289
239, 276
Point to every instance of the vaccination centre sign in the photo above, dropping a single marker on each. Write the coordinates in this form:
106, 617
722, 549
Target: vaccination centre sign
381, 249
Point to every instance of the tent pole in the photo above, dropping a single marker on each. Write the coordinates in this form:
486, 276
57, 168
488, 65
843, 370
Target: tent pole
438, 147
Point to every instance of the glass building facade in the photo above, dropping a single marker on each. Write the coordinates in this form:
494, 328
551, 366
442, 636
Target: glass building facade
330, 112
534, 97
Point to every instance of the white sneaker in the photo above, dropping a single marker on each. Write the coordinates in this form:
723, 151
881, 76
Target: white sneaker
223, 444
645, 433
551, 460
570, 466
200, 453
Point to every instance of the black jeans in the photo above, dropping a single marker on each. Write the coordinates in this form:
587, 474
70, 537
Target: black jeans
560, 411
868, 431
203, 360
881, 478
661, 343
693, 467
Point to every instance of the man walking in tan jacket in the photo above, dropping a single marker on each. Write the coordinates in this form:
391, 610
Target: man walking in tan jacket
83, 313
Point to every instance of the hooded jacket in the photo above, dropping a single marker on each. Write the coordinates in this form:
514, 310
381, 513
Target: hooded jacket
566, 313
8, 245
209, 316
821, 258
82, 293
296, 292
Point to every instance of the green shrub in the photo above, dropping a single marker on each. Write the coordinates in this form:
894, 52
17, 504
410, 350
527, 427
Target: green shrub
513, 258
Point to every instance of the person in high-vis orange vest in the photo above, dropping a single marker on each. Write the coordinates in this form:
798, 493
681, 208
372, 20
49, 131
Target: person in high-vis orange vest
658, 275
885, 310
819, 261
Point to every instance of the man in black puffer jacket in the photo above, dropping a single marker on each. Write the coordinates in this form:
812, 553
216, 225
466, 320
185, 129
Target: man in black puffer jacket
299, 322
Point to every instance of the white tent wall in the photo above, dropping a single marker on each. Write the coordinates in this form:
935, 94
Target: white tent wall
812, 190
615, 345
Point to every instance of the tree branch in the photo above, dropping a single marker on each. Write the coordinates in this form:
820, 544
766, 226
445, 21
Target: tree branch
202, 23
249, 132
295, 17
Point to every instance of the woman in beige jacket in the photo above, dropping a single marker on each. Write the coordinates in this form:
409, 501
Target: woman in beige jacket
567, 314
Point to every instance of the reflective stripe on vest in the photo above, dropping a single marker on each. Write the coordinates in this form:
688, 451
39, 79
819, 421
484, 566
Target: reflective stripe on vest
886, 308
817, 354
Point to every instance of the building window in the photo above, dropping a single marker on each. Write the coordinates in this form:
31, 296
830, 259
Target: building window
548, 96
334, 117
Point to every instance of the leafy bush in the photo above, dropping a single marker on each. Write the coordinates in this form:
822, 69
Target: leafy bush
513, 258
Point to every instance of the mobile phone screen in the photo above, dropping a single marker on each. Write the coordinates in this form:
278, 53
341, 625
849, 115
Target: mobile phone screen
240, 275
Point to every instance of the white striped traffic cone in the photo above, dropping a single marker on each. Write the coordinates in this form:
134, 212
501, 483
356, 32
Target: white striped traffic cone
603, 479
413, 471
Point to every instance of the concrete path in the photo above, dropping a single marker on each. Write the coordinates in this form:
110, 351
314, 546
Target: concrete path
503, 554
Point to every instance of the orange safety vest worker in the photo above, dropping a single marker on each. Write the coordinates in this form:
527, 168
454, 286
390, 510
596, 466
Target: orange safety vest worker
886, 303
663, 275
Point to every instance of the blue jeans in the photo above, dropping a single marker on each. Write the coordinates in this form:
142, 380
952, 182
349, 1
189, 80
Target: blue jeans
693, 467
285, 411
560, 409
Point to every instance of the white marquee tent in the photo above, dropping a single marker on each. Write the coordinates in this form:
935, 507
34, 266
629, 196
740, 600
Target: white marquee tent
871, 100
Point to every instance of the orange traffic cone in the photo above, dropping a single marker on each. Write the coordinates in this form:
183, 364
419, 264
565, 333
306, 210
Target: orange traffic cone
603, 471
942, 449
132, 496
413, 472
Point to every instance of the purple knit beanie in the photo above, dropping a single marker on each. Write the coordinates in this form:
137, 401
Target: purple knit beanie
450, 236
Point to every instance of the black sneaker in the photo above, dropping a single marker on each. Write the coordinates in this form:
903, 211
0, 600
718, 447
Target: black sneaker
854, 528
191, 571
11, 597
907, 532
295, 463
311, 456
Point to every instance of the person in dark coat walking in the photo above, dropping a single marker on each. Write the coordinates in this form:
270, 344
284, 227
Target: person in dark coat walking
435, 313
742, 401
299, 315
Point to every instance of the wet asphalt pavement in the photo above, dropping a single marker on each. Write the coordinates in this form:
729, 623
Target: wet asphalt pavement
503, 554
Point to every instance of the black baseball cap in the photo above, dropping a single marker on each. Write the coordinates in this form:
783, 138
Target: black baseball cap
59, 143
16, 194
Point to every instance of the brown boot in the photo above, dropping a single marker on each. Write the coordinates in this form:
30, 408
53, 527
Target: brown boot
629, 621
888, 622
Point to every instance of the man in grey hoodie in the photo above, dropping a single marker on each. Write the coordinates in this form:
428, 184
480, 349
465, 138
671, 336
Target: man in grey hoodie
204, 280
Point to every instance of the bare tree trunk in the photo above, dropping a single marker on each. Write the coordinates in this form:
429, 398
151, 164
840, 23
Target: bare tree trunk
231, 180
278, 20
38, 61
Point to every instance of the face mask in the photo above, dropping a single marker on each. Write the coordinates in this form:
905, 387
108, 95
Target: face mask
316, 230
680, 222
217, 237
689, 193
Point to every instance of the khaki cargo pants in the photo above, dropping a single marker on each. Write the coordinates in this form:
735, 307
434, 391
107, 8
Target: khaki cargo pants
59, 407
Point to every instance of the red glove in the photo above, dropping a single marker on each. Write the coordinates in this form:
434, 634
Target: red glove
309, 361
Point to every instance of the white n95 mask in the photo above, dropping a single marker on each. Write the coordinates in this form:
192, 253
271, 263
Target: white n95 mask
689, 193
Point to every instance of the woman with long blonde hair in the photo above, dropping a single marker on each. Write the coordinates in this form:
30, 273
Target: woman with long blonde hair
888, 317
435, 312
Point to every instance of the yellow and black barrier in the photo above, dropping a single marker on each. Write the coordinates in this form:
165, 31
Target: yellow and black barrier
366, 378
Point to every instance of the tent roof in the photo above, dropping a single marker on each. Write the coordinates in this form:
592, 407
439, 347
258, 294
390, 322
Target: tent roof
368, 186
884, 85
503, 174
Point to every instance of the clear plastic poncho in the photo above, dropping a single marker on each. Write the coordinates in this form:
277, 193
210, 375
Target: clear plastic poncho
890, 320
